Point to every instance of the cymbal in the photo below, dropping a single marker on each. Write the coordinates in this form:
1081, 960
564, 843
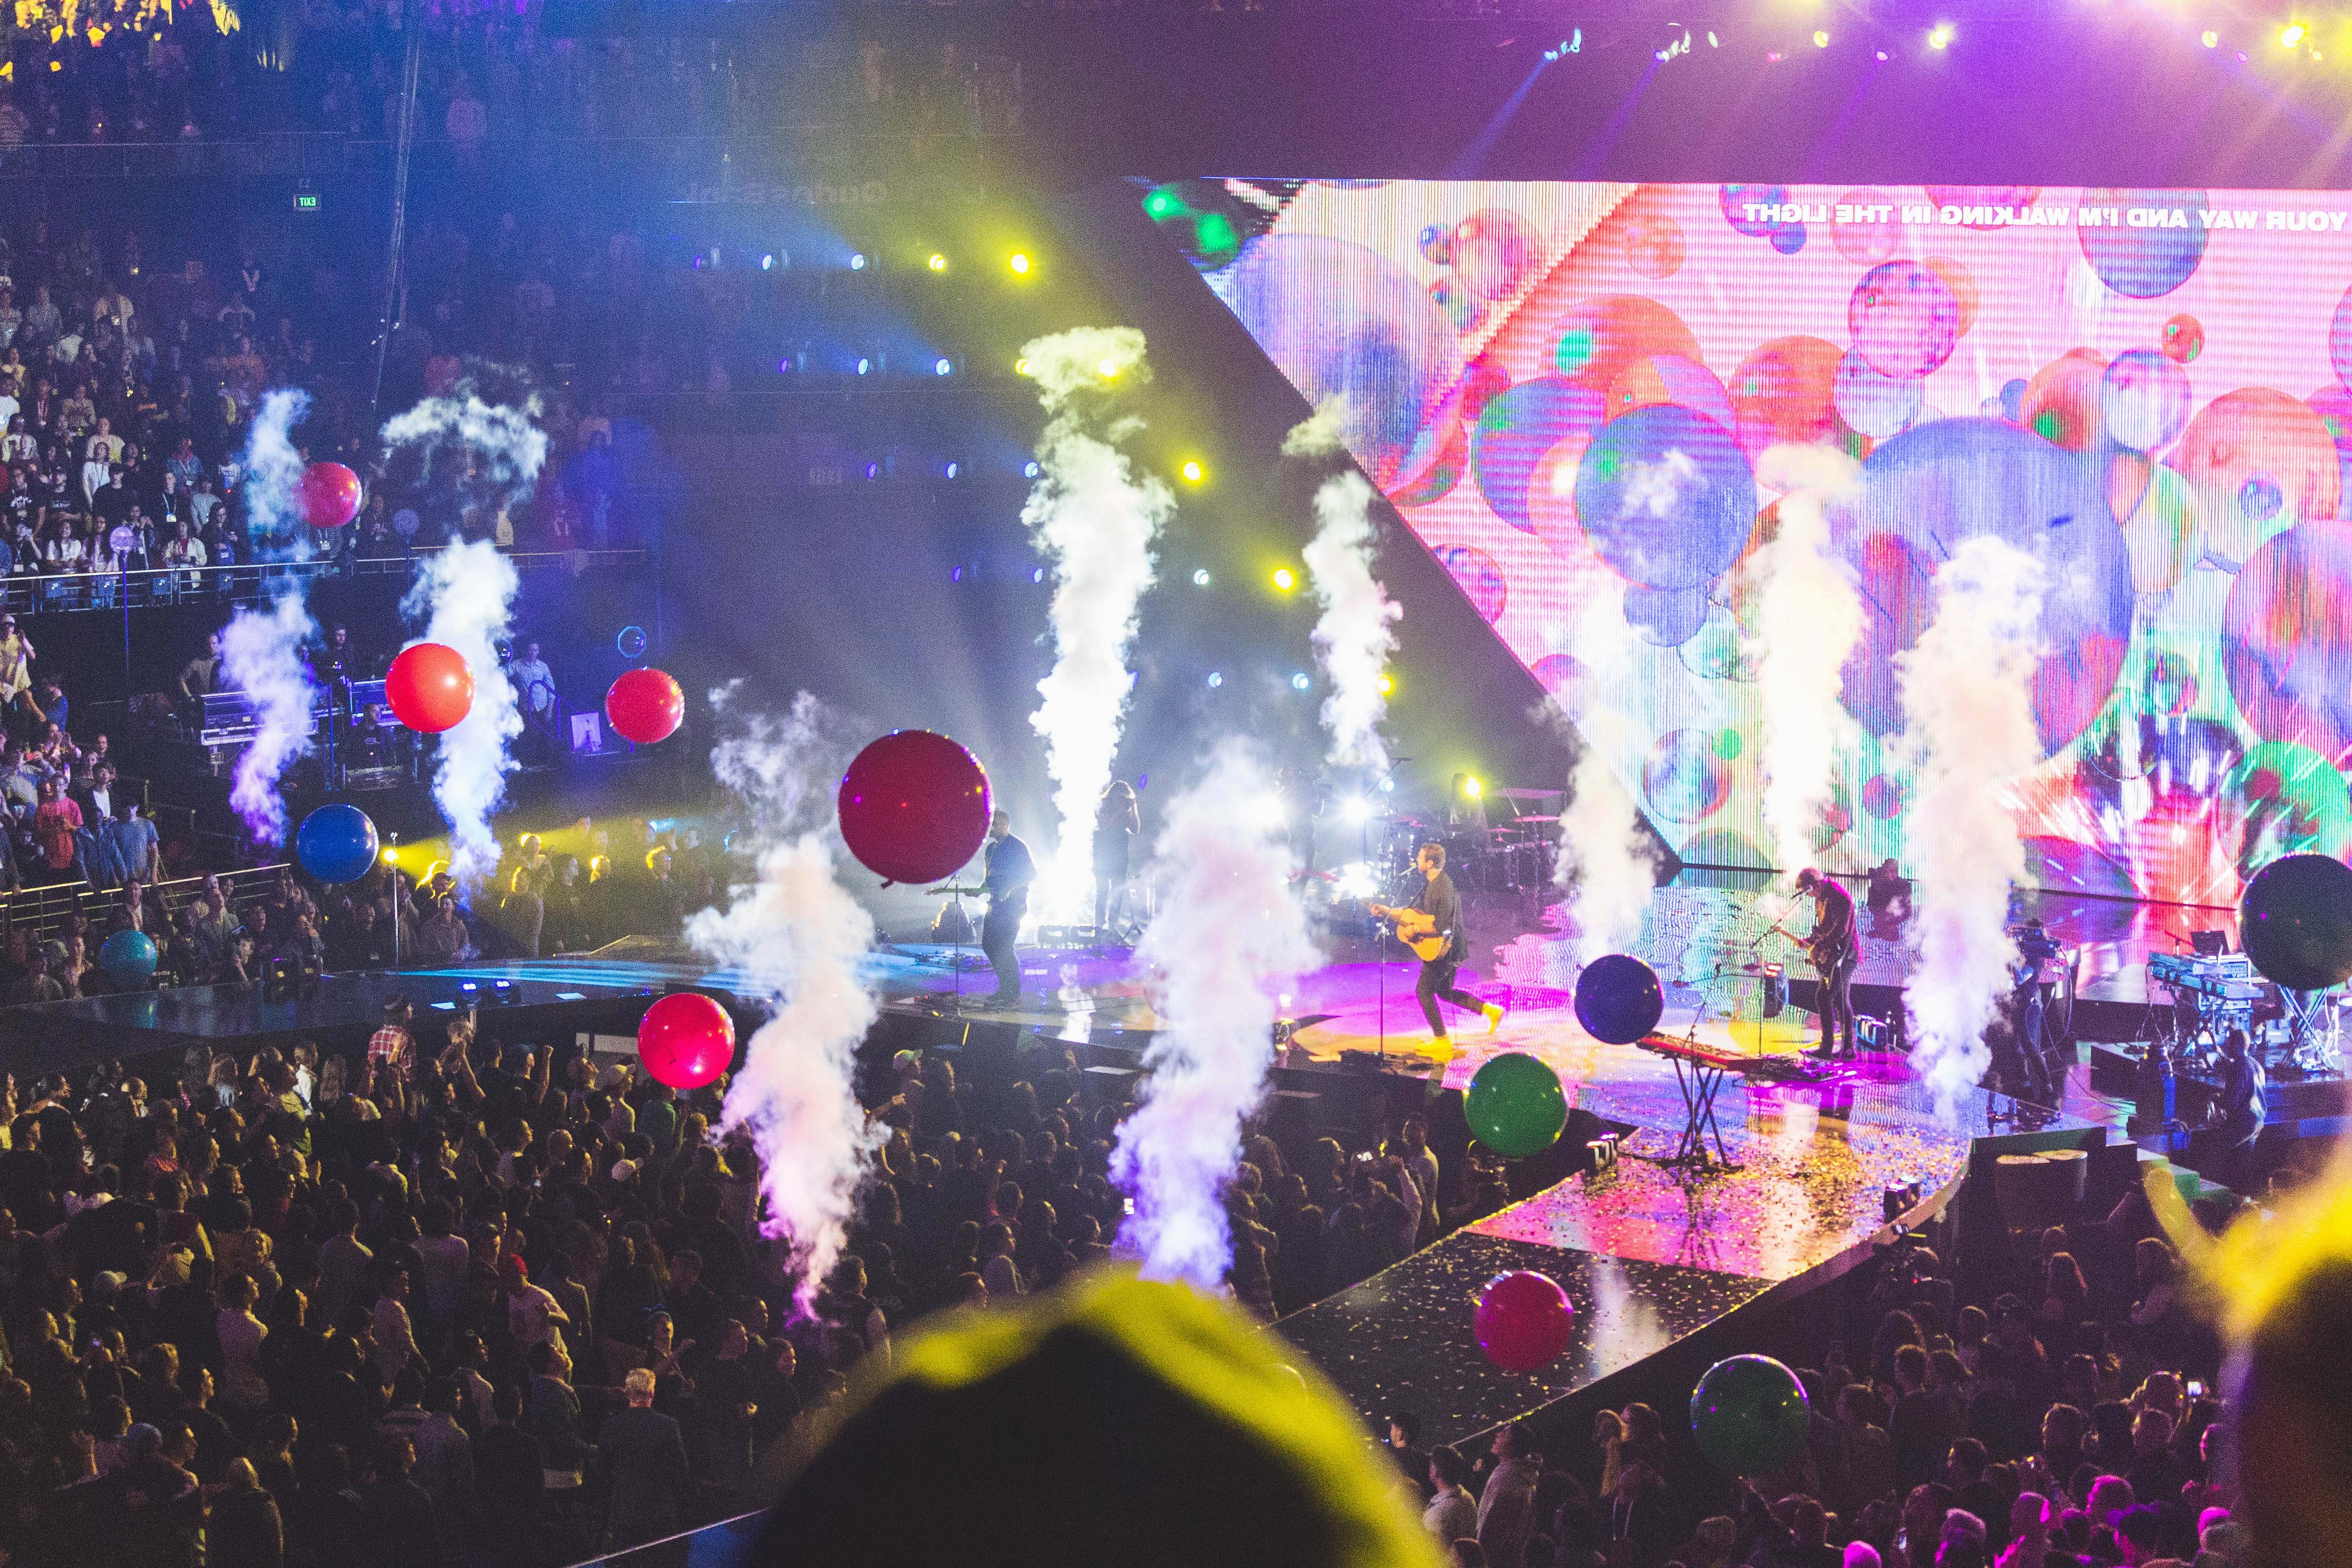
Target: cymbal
1527, 793
1553, 817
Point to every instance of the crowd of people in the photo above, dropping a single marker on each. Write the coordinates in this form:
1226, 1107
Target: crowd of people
444, 1302
2072, 1421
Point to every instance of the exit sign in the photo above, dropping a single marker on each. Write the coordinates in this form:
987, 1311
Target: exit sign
305, 201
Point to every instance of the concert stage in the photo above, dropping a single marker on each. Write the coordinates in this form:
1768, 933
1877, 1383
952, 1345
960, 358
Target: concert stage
1651, 1252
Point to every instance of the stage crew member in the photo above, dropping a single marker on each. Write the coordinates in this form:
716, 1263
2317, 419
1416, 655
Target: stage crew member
1833, 951
1010, 869
1431, 926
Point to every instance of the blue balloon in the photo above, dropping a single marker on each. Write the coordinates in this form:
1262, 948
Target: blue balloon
336, 844
127, 958
1618, 999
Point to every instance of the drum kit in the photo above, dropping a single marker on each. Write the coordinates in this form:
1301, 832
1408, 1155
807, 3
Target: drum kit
1514, 855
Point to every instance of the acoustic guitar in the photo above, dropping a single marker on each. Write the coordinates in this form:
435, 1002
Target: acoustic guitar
1417, 929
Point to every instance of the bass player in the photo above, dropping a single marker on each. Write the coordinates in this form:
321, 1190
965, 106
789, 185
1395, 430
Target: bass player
1834, 952
1431, 926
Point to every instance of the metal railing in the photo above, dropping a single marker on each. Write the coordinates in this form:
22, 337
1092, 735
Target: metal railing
44, 909
160, 586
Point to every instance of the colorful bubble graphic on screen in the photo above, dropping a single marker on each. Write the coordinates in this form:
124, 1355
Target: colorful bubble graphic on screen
1569, 392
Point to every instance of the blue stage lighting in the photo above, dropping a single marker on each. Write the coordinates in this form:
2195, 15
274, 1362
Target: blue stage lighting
1215, 679
1300, 681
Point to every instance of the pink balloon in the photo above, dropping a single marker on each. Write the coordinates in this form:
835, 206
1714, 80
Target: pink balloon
1523, 1320
686, 1040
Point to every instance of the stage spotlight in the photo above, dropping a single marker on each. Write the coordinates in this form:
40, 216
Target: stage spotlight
2291, 35
1038, 575
1472, 787
1821, 40
1357, 881
1269, 810
864, 365
1356, 808
1193, 471
1162, 203
1301, 681
1881, 54
1019, 262
2210, 38
1387, 684
873, 470
767, 264
1387, 786
955, 574
1029, 470
1201, 577
1109, 367
953, 469
857, 261
942, 367
1020, 366
1216, 678
391, 857
938, 263
1285, 580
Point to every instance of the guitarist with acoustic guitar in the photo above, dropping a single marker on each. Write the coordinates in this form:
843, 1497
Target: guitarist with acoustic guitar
1431, 926
1834, 952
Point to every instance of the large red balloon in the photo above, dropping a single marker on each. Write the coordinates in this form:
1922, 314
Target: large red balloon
686, 1040
645, 706
430, 686
1523, 1320
914, 807
331, 495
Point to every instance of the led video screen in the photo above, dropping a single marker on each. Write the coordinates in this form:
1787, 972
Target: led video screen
1566, 389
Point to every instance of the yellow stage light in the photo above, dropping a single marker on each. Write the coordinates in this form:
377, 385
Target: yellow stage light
2293, 35
1388, 685
1019, 262
1193, 471
1821, 40
1285, 580
1473, 788
1020, 366
1939, 36
939, 263
1109, 367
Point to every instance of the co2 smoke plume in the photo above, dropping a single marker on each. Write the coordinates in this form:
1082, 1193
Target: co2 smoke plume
1606, 865
801, 935
1808, 619
1968, 701
467, 591
1094, 518
1356, 633
1228, 930
261, 650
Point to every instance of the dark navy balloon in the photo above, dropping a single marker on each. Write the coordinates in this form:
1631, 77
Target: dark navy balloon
1618, 999
2295, 920
336, 843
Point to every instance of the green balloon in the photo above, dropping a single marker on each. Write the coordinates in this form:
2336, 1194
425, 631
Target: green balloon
1515, 1105
1748, 1415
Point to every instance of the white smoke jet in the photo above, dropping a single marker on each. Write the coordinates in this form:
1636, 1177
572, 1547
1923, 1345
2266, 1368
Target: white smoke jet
468, 591
800, 930
1808, 619
1093, 517
1322, 433
271, 473
1356, 633
1968, 709
261, 656
1228, 930
783, 770
261, 649
1606, 864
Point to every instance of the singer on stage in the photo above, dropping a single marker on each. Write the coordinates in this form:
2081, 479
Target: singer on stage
1833, 951
1431, 926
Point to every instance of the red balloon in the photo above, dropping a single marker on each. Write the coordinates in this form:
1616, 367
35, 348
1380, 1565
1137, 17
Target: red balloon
686, 1040
331, 495
430, 686
914, 807
1523, 1320
645, 706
